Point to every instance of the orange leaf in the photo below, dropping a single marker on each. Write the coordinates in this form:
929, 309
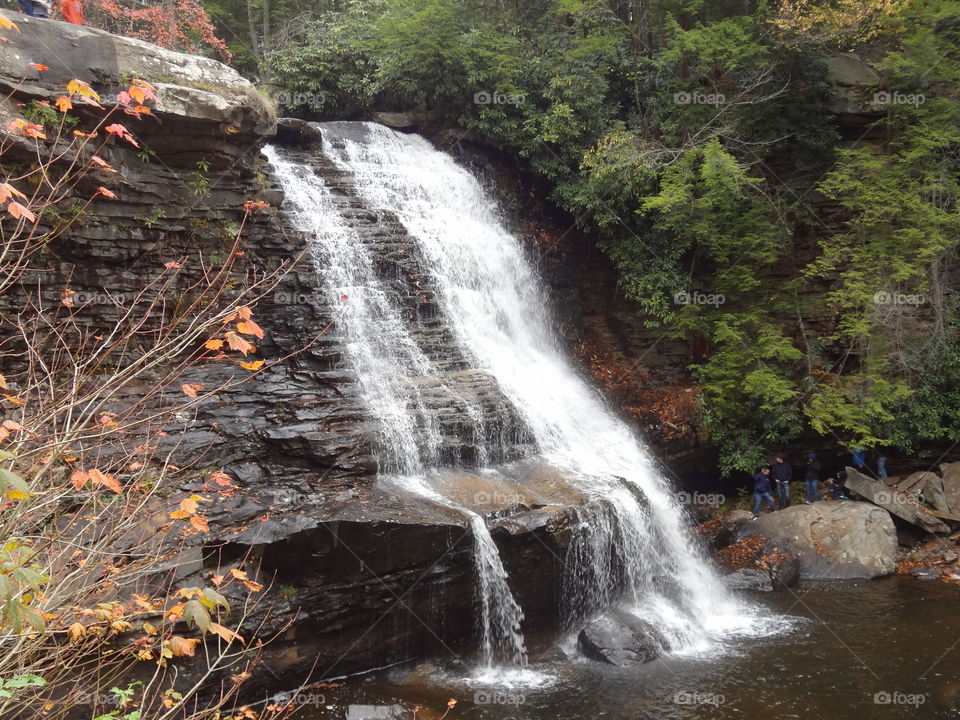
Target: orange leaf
137, 94
221, 478
249, 327
3, 383
99, 160
15, 400
252, 365
79, 479
199, 523
179, 515
102, 478
214, 344
181, 646
106, 193
39, 67
19, 211
63, 103
189, 505
238, 343
79, 133
173, 265
6, 190
191, 389
7, 24
226, 633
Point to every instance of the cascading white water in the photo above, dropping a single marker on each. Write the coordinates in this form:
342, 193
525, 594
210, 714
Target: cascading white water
495, 303
388, 362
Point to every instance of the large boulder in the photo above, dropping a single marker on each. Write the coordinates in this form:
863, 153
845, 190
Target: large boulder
951, 486
619, 638
833, 539
896, 503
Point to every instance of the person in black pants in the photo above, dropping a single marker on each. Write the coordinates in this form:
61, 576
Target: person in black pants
761, 491
782, 474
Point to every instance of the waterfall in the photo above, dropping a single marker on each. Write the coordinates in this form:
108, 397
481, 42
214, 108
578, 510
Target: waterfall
630, 540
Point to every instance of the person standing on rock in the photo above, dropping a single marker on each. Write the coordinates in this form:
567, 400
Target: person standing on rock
761, 491
882, 467
782, 475
812, 479
859, 460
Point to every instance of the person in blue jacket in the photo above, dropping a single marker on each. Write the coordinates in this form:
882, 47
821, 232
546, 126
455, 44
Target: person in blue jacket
761, 491
859, 459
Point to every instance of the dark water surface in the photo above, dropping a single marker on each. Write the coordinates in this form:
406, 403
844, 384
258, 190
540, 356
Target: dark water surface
854, 649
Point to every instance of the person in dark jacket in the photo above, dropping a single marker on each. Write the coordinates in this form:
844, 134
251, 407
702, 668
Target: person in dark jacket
782, 474
761, 491
812, 479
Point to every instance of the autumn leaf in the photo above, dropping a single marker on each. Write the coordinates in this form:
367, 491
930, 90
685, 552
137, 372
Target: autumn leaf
235, 342
7, 24
79, 478
63, 103
181, 646
221, 478
173, 265
99, 160
106, 193
251, 204
214, 344
3, 383
191, 389
76, 631
19, 211
252, 365
179, 515
121, 132
82, 89
249, 327
39, 67
226, 633
199, 523
7, 190
14, 399
101, 478
123, 98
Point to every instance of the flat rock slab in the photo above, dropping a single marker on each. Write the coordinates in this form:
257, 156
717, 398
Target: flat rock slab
951, 486
841, 539
894, 502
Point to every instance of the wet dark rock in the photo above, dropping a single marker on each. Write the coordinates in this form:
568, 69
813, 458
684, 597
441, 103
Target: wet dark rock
298, 133
618, 638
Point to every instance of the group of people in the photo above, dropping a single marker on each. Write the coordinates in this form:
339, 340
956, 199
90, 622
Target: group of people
776, 479
70, 10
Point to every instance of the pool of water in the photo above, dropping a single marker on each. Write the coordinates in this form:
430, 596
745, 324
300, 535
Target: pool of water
841, 649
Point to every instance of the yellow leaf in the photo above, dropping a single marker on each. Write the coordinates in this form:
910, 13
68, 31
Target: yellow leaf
214, 344
79, 87
8, 24
149, 629
76, 631
15, 400
179, 515
252, 365
17, 495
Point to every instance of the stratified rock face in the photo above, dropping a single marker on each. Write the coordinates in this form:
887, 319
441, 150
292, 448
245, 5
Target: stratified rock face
840, 539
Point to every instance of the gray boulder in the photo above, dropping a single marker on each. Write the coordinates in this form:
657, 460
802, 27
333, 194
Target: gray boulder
618, 638
833, 539
951, 486
894, 502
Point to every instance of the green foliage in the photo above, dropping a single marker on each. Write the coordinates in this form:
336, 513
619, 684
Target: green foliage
685, 137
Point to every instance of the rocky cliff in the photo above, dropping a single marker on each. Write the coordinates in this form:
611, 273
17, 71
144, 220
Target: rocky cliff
357, 575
